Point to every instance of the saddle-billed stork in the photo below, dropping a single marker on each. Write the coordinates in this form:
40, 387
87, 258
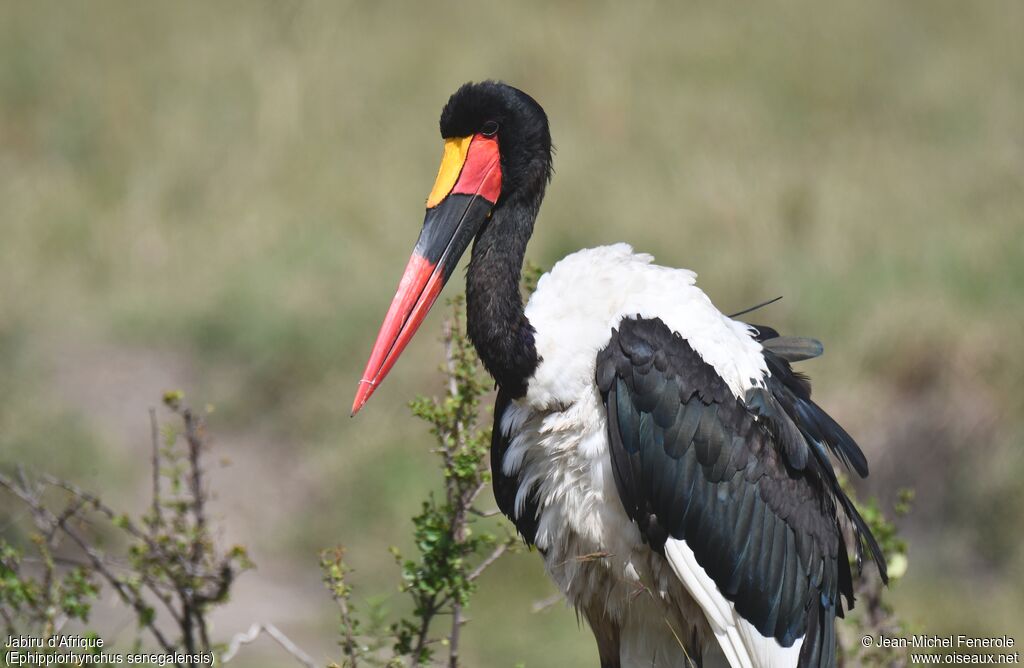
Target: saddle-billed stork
665, 459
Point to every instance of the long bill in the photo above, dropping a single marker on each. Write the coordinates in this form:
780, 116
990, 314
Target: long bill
467, 187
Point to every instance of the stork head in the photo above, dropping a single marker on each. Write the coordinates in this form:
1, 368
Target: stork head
497, 155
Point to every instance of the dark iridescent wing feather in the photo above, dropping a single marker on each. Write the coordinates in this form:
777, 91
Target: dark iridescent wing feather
747, 484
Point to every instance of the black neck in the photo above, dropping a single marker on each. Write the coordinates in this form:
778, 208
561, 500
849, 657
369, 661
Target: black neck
496, 323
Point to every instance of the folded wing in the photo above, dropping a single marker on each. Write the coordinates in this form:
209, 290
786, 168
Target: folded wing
738, 494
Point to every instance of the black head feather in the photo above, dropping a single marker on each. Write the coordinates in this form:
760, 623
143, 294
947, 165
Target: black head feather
522, 130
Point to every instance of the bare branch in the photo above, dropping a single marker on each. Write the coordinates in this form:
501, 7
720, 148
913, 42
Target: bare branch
174, 560
545, 603
28, 494
346, 620
97, 504
246, 637
194, 429
491, 558
453, 637
154, 434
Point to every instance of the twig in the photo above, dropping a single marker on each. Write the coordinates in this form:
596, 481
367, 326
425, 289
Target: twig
427, 616
545, 603
493, 512
96, 503
193, 429
462, 501
346, 621
340, 593
154, 429
455, 440
491, 558
587, 558
8, 621
453, 637
191, 600
69, 512
246, 637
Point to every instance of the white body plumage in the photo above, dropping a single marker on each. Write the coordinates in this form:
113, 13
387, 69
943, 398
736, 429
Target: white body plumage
558, 448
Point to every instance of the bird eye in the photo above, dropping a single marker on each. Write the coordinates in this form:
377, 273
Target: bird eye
490, 129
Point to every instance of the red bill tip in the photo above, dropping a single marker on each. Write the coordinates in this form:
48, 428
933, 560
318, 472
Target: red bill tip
417, 292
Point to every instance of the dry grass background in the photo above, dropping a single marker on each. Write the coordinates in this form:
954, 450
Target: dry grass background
220, 197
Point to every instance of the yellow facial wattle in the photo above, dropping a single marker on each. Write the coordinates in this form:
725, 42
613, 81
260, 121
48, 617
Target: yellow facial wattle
455, 152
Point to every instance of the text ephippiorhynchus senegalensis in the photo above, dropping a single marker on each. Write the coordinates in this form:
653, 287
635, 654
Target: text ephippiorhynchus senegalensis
665, 459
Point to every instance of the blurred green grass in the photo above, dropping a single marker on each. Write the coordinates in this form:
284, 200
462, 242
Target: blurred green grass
238, 185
